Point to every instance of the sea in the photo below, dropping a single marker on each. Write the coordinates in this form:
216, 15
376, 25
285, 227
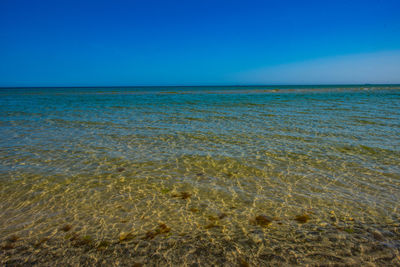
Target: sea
200, 176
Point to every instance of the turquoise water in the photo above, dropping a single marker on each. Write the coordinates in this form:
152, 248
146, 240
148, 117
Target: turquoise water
210, 175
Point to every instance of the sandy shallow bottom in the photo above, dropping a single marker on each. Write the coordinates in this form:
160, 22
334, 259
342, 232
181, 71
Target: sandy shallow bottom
300, 245
198, 212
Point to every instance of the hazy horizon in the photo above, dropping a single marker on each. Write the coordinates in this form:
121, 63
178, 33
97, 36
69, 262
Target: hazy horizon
208, 85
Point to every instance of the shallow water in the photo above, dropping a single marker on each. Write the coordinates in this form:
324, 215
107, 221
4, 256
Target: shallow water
213, 176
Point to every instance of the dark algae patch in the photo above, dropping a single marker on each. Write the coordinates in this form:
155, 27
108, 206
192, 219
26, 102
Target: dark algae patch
263, 220
66, 228
302, 218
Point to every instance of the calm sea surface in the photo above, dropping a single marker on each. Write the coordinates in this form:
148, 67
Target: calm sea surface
200, 175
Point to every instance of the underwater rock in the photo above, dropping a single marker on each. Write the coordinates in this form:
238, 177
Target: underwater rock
85, 240
257, 236
302, 218
194, 210
211, 225
212, 218
66, 228
150, 235
377, 235
183, 195
78, 240
349, 230
103, 244
41, 241
333, 216
126, 236
161, 229
72, 236
8, 246
243, 263
222, 215
13, 238
165, 190
263, 220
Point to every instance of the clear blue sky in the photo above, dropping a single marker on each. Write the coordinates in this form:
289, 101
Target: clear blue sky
89, 43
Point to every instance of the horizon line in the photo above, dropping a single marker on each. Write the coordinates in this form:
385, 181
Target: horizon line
206, 85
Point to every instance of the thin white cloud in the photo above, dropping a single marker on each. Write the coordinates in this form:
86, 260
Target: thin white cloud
380, 67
